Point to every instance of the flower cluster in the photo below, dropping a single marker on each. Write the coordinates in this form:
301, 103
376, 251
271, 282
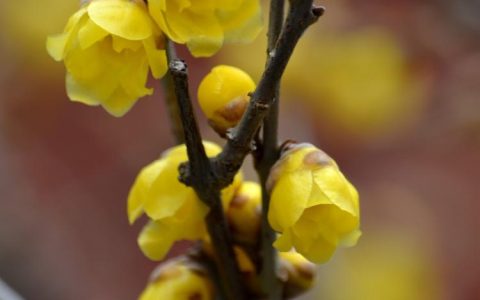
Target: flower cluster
110, 46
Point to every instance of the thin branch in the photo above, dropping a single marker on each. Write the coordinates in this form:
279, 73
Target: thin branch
271, 286
171, 99
203, 182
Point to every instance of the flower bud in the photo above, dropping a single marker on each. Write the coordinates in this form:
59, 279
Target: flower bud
313, 206
223, 96
180, 279
296, 272
244, 213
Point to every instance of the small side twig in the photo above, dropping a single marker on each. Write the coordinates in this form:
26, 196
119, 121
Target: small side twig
203, 182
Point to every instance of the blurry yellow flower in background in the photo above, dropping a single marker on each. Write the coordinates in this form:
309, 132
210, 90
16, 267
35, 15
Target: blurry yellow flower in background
108, 47
24, 25
358, 83
175, 211
179, 279
313, 206
205, 25
391, 265
223, 96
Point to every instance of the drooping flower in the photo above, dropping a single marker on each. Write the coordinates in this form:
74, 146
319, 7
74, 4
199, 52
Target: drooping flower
223, 96
205, 25
174, 209
180, 279
108, 47
313, 206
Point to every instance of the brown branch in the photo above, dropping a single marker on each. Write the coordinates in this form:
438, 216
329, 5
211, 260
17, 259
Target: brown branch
171, 99
267, 155
203, 182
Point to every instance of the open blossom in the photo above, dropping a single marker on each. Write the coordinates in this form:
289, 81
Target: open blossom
108, 47
313, 206
175, 211
205, 25
180, 279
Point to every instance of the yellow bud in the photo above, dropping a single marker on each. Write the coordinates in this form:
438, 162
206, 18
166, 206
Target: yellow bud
180, 279
296, 272
244, 213
223, 96
175, 211
313, 206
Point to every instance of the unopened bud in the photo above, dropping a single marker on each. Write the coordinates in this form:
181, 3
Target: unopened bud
223, 96
296, 272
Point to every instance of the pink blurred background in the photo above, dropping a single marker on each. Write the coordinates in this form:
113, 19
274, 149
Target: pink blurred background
391, 89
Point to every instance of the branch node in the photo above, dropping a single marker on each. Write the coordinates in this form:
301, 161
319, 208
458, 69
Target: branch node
318, 11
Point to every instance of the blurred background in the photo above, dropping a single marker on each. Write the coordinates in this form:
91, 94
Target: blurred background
391, 89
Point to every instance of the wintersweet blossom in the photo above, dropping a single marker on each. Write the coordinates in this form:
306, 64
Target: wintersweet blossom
175, 211
223, 96
205, 25
108, 47
180, 279
313, 207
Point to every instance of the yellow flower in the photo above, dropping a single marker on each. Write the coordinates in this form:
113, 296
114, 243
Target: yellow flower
175, 211
245, 211
296, 272
313, 206
179, 279
108, 46
223, 96
205, 25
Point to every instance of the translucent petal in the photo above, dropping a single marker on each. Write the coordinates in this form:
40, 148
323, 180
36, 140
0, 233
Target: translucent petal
127, 19
157, 59
155, 240
140, 187
289, 199
284, 241
90, 33
242, 24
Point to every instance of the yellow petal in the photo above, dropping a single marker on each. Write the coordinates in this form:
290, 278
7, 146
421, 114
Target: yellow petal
90, 33
155, 240
78, 93
127, 19
284, 241
242, 24
58, 44
289, 199
119, 103
202, 34
335, 186
157, 58
138, 192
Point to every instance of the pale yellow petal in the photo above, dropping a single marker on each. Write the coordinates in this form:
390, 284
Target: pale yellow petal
155, 240
289, 199
284, 241
157, 58
79, 93
90, 33
127, 19
140, 188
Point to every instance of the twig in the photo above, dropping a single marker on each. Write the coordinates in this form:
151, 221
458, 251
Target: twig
268, 155
171, 99
203, 181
